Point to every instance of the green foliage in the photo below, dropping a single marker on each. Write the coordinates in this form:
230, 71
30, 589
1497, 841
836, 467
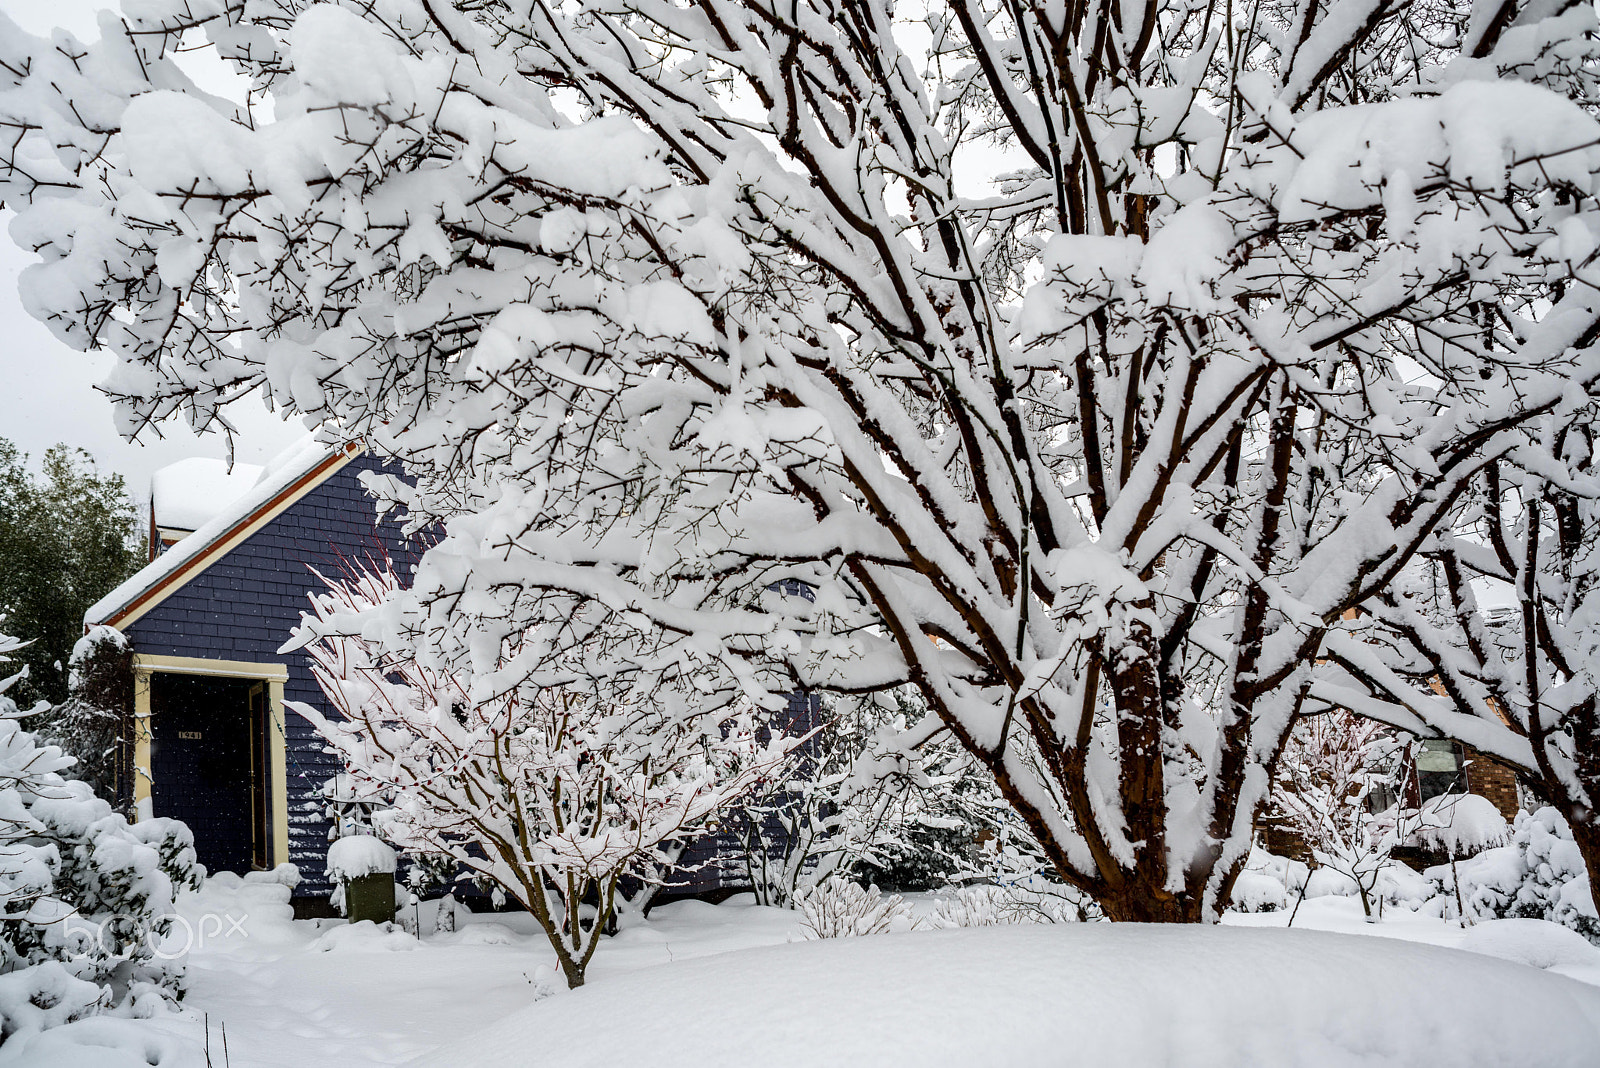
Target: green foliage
95, 722
68, 535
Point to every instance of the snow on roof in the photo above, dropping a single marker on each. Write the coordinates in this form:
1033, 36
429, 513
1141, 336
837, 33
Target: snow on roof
279, 474
188, 494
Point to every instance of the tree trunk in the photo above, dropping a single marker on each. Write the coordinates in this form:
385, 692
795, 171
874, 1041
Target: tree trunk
1138, 902
1586, 833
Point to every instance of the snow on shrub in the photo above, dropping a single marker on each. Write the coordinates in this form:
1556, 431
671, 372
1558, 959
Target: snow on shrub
839, 908
1536, 943
254, 907
366, 937
539, 777
1258, 891
1459, 825
87, 897
998, 906
1538, 874
1270, 882
91, 723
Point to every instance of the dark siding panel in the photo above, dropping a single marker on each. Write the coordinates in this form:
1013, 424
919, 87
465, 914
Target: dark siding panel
242, 608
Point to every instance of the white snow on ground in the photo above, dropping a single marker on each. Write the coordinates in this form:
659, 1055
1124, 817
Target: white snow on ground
297, 994
1108, 993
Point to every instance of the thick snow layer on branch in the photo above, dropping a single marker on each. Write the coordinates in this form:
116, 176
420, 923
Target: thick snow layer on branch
1019, 996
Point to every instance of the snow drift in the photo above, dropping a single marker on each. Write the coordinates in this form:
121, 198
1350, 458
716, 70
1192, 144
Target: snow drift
1090, 994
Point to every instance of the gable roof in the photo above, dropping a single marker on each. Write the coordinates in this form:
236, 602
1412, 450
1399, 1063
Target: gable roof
288, 477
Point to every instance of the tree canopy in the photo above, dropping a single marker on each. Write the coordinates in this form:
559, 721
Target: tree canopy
68, 535
1090, 363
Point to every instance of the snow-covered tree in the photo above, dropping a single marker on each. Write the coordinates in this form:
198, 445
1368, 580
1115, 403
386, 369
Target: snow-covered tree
544, 778
1088, 361
856, 802
93, 723
1330, 792
1539, 873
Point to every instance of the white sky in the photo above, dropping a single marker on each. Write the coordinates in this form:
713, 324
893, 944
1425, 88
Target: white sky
47, 392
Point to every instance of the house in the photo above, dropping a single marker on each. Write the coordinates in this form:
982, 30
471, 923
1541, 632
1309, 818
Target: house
1430, 768
214, 742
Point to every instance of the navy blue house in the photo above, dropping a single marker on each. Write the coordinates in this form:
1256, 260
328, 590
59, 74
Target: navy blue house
214, 742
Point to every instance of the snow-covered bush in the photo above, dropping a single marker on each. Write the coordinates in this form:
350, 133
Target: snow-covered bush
1459, 825
857, 801
998, 906
518, 757
1270, 883
840, 908
1259, 891
1538, 874
85, 896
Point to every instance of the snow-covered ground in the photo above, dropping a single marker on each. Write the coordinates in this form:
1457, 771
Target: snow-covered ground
292, 994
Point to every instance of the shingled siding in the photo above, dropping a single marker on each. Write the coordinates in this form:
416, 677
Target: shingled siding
243, 606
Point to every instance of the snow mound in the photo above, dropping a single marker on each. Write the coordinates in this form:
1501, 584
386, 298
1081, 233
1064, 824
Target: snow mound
1461, 825
251, 913
1125, 994
1538, 943
357, 855
485, 934
1256, 891
366, 937
107, 1042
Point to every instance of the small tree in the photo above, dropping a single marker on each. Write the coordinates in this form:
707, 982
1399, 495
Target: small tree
1331, 770
94, 721
548, 784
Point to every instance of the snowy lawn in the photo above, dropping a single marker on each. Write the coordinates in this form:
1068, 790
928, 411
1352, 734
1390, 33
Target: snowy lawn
297, 994
1080, 994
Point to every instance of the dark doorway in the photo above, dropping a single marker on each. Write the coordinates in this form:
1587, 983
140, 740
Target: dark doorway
208, 765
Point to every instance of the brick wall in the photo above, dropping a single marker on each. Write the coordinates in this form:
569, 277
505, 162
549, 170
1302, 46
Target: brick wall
1494, 780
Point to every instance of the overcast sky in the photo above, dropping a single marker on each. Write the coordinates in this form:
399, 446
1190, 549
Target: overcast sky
47, 392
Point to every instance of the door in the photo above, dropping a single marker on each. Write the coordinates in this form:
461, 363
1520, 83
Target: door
207, 765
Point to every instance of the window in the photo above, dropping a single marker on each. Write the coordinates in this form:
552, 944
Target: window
1439, 768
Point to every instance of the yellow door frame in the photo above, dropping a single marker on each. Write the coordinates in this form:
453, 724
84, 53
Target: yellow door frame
146, 666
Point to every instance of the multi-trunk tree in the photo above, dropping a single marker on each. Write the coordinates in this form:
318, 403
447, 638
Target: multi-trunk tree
1089, 361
